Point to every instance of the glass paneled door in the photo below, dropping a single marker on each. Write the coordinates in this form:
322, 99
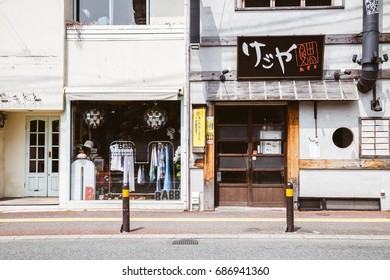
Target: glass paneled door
42, 156
250, 153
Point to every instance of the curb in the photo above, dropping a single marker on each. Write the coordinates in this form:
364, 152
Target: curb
196, 236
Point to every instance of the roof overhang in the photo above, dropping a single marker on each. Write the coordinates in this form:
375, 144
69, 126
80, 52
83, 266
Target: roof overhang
288, 90
123, 93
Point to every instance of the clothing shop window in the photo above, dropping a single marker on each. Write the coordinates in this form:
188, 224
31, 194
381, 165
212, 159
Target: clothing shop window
288, 3
374, 137
126, 143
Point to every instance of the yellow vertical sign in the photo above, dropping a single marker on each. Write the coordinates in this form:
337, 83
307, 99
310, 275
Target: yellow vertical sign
199, 127
210, 130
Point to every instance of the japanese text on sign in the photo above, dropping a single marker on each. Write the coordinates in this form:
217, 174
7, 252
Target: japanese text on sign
280, 56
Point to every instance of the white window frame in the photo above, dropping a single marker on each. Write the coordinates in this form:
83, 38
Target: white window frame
240, 5
75, 14
374, 137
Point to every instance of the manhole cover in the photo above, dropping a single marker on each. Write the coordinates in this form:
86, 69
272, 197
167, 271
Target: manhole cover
185, 242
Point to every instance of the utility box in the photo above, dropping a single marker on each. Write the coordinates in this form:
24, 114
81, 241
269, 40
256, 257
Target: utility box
195, 201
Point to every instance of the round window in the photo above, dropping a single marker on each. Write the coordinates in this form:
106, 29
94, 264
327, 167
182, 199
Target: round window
342, 137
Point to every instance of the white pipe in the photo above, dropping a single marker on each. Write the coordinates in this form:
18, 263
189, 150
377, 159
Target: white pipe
111, 12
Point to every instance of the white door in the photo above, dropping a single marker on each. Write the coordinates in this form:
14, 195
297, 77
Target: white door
42, 156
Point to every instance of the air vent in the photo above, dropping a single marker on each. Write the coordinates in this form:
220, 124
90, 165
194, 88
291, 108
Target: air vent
185, 242
339, 203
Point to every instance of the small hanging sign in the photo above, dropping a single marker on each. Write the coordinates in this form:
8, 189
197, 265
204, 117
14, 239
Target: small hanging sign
198, 129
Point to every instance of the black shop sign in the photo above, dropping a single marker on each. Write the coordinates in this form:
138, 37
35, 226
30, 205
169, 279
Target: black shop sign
278, 57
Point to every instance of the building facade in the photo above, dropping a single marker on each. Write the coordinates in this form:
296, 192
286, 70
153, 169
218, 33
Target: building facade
294, 91
196, 104
94, 98
31, 82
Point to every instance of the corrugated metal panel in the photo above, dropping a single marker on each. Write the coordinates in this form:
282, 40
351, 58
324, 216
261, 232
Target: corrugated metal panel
282, 90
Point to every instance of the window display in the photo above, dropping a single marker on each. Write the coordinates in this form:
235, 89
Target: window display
135, 143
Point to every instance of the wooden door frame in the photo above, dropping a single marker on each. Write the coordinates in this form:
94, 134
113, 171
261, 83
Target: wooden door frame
291, 148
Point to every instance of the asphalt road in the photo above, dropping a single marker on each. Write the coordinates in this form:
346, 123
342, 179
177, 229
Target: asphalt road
95, 248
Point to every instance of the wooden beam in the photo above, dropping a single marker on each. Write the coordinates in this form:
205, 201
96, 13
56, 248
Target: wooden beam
209, 168
330, 39
293, 143
337, 164
328, 74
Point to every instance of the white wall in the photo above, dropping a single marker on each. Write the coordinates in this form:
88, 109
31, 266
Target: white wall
31, 60
126, 63
346, 183
330, 116
220, 19
167, 12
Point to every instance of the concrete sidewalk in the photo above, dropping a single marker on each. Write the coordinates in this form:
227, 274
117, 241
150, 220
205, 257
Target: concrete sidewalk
225, 222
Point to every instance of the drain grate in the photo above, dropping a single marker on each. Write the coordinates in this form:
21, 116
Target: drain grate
185, 242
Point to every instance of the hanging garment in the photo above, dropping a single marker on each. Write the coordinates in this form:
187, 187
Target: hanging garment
160, 168
153, 163
167, 179
115, 164
128, 169
141, 175
143, 180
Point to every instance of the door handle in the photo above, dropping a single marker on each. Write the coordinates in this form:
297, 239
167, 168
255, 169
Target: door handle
49, 154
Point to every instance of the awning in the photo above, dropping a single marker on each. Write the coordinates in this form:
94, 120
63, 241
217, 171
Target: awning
122, 94
288, 90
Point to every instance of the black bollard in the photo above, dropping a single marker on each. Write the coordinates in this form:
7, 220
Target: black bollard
125, 208
290, 207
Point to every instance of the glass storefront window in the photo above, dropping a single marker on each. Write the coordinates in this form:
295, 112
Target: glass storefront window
135, 143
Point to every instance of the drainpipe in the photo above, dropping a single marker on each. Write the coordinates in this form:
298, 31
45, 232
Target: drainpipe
370, 59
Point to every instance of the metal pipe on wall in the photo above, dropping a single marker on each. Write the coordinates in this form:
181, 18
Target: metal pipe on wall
370, 57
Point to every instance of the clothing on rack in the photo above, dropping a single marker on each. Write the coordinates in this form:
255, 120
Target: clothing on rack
153, 163
141, 175
167, 179
115, 163
160, 167
128, 170
122, 159
118, 153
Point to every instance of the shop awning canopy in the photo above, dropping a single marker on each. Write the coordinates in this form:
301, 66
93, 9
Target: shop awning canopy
288, 90
122, 94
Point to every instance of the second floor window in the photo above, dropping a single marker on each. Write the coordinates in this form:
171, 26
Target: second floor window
285, 3
111, 12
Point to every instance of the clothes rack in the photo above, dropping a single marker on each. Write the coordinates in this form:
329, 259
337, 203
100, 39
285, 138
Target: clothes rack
162, 173
156, 169
122, 158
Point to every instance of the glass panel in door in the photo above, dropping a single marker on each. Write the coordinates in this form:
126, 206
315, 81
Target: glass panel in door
250, 156
36, 152
42, 155
268, 157
53, 156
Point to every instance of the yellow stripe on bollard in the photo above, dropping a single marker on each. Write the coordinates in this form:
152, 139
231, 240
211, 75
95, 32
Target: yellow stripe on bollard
125, 193
289, 192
